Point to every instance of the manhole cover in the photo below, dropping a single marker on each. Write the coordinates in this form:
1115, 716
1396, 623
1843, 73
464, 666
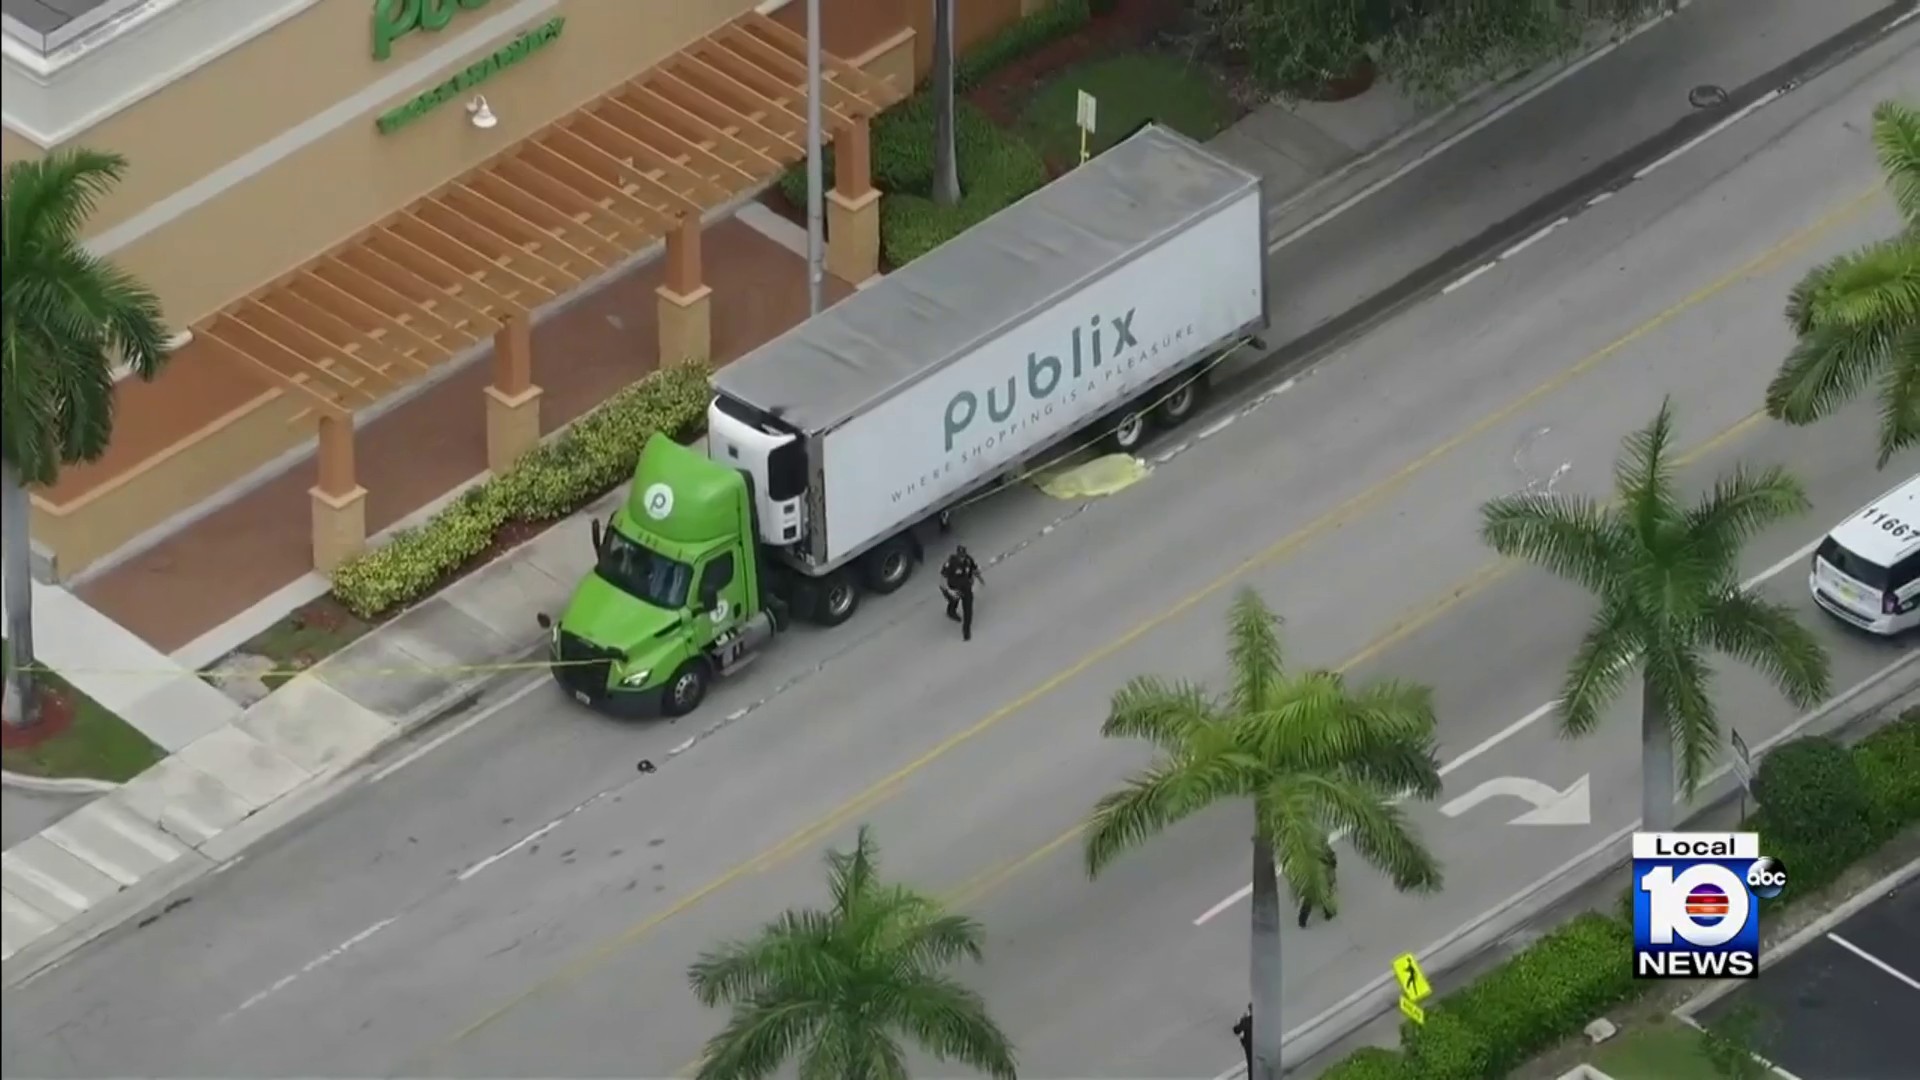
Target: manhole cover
1706, 96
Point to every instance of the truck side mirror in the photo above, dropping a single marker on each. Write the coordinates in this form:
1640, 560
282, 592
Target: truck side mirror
598, 536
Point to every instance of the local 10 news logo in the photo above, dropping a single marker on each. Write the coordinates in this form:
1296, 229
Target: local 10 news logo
1696, 910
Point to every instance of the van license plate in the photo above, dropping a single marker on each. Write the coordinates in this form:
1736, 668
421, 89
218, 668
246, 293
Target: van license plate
581, 697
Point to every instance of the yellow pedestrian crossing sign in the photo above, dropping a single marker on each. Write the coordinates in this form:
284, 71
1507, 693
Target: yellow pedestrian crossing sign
1413, 1012
1412, 981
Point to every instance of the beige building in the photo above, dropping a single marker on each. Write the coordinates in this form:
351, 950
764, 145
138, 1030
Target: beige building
335, 199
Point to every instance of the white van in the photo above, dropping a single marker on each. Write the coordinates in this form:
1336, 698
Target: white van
1867, 571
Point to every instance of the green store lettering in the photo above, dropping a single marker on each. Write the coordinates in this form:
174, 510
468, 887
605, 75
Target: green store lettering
480, 71
395, 19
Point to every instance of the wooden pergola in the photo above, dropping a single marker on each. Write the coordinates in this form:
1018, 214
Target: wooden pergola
472, 261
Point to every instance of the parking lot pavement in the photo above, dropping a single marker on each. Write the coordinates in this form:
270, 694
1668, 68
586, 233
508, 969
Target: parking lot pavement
1843, 1007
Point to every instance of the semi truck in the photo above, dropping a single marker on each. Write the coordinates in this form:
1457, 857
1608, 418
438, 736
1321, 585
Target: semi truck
1092, 309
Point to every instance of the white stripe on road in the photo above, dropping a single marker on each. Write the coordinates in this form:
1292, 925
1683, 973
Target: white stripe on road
1539, 235
324, 958
1752, 107
1874, 960
1523, 723
455, 732
1462, 280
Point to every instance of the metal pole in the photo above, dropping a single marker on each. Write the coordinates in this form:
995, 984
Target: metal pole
816, 225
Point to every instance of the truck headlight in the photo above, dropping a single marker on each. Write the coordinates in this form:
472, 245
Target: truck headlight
636, 678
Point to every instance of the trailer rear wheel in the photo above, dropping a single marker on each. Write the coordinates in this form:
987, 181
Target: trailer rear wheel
1179, 406
886, 568
1129, 432
839, 599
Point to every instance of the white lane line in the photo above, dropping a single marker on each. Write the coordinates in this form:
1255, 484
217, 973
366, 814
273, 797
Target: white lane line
310, 966
1538, 236
531, 837
454, 732
1598, 199
1904, 19
1462, 280
1874, 960
1515, 728
1751, 107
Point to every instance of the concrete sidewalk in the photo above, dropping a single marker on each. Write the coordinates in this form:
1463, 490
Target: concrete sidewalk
65, 884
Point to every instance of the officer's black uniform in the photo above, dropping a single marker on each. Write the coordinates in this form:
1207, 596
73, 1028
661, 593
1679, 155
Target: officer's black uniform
960, 573
1244, 1029
1306, 906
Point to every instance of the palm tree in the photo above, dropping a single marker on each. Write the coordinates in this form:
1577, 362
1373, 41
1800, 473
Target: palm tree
946, 166
69, 317
1858, 317
1667, 578
1313, 755
838, 988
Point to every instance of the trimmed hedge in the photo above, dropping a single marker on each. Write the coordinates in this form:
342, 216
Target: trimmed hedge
1552, 989
553, 480
1021, 38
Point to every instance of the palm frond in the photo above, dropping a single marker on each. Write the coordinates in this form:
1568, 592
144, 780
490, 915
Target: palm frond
1389, 724
1599, 668
1873, 288
1254, 655
1152, 801
1679, 677
1164, 713
1571, 537
951, 1022
1825, 369
1900, 396
1770, 638
1896, 137
1377, 829
51, 199
1742, 504
792, 949
1288, 816
1643, 475
851, 874
929, 944
757, 1039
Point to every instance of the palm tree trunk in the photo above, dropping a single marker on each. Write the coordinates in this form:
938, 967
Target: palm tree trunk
1656, 761
22, 708
946, 167
1265, 966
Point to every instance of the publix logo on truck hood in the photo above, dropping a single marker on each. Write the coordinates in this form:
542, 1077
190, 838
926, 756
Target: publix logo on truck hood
1046, 377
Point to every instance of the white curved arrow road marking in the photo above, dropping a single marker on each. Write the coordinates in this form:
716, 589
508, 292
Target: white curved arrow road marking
1551, 806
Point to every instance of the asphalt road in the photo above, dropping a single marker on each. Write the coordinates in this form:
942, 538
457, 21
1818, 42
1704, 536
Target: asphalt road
1842, 1007
518, 900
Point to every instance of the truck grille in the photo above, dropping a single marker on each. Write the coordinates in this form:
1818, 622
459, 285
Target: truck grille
585, 667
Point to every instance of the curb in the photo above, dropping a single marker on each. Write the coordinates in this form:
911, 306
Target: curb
1805, 936
60, 785
1482, 934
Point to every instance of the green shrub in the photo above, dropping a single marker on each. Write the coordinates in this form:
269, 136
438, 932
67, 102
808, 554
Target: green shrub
1547, 992
1369, 1063
1889, 763
1810, 792
1027, 35
553, 480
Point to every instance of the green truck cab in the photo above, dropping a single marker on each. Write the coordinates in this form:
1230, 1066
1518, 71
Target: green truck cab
675, 595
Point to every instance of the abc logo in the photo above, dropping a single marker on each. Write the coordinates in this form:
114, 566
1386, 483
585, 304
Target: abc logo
1767, 877
1704, 905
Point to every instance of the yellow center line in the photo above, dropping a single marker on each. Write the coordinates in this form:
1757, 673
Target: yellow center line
808, 836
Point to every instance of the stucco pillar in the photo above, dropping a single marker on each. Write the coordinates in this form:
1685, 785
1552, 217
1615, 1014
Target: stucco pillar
686, 308
853, 207
513, 402
339, 502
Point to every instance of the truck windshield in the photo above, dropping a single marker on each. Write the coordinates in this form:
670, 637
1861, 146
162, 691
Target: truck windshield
642, 572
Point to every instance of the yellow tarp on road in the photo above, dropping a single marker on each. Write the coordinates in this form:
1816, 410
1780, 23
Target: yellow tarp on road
1094, 479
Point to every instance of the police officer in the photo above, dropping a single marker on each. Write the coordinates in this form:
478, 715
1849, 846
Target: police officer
1244, 1030
960, 573
1306, 906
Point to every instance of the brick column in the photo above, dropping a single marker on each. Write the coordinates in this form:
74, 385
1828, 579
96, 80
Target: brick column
513, 402
339, 502
853, 208
686, 315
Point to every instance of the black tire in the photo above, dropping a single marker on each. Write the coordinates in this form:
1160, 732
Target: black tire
886, 568
1178, 405
1129, 430
839, 598
687, 689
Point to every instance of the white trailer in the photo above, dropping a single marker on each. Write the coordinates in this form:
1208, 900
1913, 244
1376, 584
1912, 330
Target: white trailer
1102, 297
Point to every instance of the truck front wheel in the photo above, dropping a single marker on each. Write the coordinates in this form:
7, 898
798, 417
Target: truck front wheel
687, 689
886, 568
839, 599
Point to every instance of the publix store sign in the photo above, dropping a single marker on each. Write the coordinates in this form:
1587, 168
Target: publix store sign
394, 19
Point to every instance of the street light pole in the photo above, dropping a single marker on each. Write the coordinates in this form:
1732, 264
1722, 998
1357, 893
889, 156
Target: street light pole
816, 225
